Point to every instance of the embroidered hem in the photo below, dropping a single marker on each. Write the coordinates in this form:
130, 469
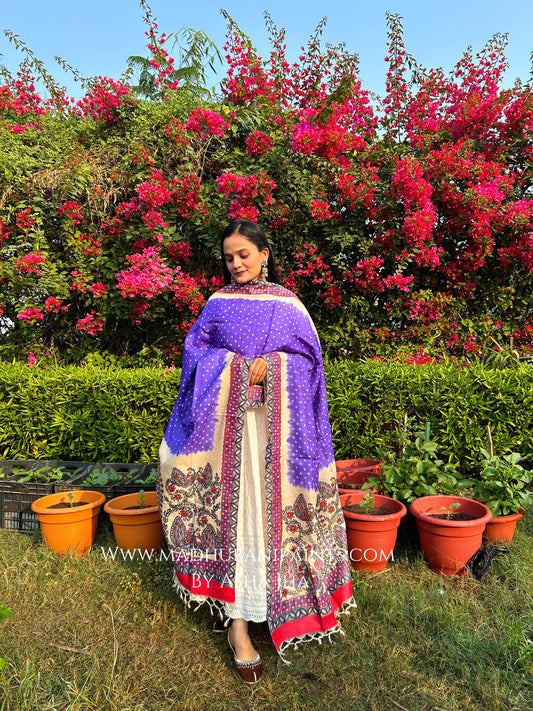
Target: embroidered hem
236, 613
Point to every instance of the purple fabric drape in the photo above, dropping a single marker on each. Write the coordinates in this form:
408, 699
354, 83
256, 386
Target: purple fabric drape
308, 573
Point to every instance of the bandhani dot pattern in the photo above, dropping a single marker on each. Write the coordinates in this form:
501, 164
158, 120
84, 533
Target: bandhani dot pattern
308, 575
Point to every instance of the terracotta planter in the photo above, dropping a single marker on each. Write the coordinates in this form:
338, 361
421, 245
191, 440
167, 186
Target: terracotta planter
371, 539
72, 528
355, 472
501, 529
448, 545
135, 527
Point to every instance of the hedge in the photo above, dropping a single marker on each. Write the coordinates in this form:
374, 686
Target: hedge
89, 414
103, 414
370, 401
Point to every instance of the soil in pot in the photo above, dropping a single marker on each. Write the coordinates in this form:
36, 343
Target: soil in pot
373, 511
68, 505
453, 516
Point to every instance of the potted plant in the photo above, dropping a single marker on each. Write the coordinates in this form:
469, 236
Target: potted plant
352, 473
69, 520
136, 521
503, 488
417, 471
24, 481
450, 530
372, 524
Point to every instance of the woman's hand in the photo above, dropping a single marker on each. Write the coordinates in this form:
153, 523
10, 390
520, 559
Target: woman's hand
258, 371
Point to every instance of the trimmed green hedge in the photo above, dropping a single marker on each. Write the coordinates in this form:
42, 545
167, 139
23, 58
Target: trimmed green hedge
369, 403
94, 414
89, 414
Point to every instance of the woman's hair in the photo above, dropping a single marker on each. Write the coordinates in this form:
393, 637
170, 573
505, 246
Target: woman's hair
254, 234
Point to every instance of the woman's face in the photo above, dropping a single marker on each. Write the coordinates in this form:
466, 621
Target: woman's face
243, 259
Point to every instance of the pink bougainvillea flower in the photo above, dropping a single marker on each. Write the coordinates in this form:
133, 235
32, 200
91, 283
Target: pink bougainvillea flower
305, 138
398, 281
53, 304
258, 143
321, 210
29, 263
98, 289
30, 315
72, 210
206, 122
147, 276
24, 220
180, 251
104, 100
90, 323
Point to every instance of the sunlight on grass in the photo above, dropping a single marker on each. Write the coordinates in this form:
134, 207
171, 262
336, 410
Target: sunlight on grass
87, 634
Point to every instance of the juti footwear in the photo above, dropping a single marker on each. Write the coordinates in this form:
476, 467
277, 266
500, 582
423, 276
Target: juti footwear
219, 625
249, 671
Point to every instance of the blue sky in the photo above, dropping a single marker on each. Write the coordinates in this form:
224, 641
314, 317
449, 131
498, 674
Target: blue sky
97, 37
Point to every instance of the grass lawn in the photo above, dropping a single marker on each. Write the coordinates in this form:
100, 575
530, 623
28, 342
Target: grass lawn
91, 633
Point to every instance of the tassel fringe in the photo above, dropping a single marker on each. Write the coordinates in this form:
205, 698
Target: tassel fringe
218, 608
293, 644
347, 607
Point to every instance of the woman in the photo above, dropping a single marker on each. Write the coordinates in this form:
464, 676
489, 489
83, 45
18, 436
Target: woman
247, 486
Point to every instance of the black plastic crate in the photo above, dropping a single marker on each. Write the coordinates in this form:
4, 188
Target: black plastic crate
69, 469
7, 466
94, 477
76, 483
16, 499
121, 474
138, 482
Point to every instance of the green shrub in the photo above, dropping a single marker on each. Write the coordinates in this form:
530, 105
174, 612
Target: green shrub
417, 471
370, 401
90, 414
503, 483
103, 475
119, 415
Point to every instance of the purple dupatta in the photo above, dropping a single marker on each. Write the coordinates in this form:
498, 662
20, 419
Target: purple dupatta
308, 573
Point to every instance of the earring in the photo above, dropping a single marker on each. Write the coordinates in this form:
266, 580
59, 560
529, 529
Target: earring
264, 269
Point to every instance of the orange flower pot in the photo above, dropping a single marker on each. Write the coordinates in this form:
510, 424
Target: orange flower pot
136, 527
448, 545
72, 528
500, 529
355, 472
371, 539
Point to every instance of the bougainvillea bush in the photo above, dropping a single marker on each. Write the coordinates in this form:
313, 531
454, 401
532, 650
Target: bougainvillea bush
404, 223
